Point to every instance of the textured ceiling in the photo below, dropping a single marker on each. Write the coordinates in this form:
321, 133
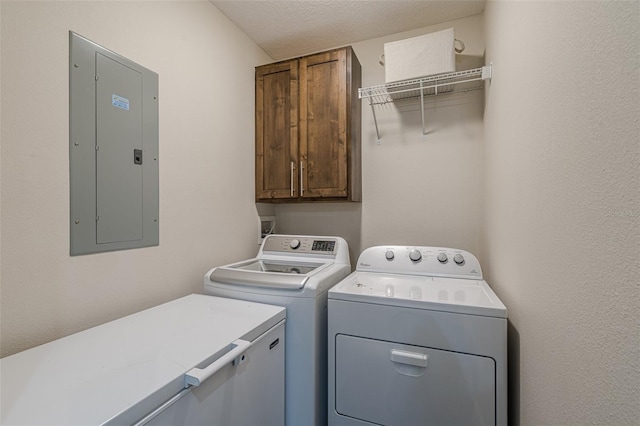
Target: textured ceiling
291, 28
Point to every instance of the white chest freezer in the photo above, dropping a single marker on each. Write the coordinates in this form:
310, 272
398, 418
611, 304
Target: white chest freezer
196, 360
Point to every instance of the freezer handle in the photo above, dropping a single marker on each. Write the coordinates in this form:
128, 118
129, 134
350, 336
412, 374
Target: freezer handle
196, 376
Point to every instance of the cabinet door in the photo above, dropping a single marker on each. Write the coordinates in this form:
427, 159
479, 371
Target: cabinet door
277, 131
323, 125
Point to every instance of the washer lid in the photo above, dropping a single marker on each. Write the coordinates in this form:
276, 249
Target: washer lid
271, 273
463, 296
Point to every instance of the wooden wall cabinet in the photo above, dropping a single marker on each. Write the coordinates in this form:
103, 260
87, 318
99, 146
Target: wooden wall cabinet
308, 127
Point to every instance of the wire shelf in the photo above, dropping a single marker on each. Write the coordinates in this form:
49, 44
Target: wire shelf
461, 81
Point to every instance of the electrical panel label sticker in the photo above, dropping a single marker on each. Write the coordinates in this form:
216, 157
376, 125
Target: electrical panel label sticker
120, 102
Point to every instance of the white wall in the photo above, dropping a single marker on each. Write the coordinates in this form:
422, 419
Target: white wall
207, 213
562, 203
423, 192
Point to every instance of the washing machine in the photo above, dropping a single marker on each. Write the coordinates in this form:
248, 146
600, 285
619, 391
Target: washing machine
295, 272
416, 337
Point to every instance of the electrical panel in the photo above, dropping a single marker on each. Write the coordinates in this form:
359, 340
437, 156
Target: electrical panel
113, 150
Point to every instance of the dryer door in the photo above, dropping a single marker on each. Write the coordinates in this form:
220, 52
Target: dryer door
392, 384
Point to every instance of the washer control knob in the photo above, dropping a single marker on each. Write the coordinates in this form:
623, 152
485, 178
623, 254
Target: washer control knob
442, 258
294, 244
415, 255
459, 259
389, 255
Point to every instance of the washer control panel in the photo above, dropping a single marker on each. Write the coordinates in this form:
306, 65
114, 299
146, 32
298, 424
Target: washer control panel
420, 260
301, 245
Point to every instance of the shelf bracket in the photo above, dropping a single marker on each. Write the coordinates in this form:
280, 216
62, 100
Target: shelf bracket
424, 131
375, 120
486, 72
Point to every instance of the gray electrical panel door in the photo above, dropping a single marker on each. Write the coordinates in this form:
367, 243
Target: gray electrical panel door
113, 150
119, 135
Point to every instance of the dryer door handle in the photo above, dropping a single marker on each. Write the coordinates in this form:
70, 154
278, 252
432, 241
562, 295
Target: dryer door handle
411, 358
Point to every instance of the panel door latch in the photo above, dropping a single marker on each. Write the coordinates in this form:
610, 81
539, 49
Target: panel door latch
137, 156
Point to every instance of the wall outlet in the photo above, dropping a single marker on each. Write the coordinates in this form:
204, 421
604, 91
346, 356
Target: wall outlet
266, 226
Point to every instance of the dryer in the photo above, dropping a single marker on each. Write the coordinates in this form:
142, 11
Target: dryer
416, 336
295, 272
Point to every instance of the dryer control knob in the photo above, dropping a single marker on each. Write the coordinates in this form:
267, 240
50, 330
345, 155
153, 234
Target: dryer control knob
389, 255
459, 259
294, 244
415, 255
442, 258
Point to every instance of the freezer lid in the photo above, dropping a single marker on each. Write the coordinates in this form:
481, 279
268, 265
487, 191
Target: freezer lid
270, 273
464, 296
95, 375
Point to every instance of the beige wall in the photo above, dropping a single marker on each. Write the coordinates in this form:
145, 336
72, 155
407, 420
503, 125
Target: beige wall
546, 190
562, 205
207, 213
546, 193
415, 191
